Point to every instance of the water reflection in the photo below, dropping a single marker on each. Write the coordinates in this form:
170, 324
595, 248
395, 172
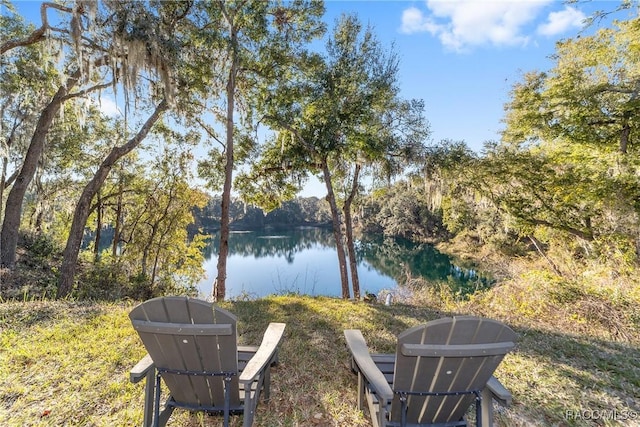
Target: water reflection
303, 260
403, 259
270, 243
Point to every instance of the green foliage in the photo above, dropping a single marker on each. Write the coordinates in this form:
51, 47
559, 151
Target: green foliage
566, 169
36, 273
452, 187
402, 211
339, 109
108, 282
28, 79
261, 43
115, 280
211, 169
156, 212
589, 97
40, 247
458, 214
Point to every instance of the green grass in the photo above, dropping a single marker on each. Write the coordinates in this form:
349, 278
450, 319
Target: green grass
66, 363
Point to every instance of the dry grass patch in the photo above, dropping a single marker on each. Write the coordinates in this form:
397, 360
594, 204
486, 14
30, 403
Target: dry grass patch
67, 364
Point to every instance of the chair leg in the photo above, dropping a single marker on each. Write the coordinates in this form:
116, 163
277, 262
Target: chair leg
160, 418
227, 400
486, 409
361, 387
403, 409
249, 410
266, 385
149, 394
479, 422
156, 405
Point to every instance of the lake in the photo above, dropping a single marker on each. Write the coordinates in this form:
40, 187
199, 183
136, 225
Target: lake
304, 261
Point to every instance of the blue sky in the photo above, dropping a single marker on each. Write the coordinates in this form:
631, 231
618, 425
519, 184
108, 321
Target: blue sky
463, 57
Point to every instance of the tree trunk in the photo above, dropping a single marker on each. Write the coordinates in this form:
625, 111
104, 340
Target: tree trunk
353, 262
117, 229
624, 136
3, 179
155, 229
337, 230
220, 286
96, 245
159, 246
4, 182
146, 251
81, 213
15, 198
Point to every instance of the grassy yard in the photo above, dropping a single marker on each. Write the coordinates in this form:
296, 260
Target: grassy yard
66, 363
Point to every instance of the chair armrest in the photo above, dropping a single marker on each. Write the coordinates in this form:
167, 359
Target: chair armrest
141, 369
367, 367
264, 354
498, 392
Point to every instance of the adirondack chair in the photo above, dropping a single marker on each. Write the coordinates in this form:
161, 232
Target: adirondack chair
439, 370
192, 347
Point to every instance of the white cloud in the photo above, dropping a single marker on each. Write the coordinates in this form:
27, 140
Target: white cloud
413, 21
559, 22
108, 107
462, 24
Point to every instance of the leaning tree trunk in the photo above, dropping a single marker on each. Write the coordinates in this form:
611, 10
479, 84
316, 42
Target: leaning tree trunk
15, 198
337, 230
81, 213
348, 223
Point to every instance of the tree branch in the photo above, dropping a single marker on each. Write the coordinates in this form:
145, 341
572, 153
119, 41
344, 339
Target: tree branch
9, 181
88, 90
578, 233
295, 133
538, 246
38, 34
210, 132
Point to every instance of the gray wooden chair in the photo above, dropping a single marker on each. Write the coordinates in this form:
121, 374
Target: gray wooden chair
439, 370
192, 347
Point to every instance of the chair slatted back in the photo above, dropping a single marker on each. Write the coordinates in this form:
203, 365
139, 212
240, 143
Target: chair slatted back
190, 335
450, 355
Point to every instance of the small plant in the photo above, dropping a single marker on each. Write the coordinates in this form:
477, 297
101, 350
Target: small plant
39, 247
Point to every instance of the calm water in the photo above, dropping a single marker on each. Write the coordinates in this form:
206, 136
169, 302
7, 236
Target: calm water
304, 260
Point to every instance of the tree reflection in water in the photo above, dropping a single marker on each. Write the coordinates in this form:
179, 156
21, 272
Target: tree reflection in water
303, 260
401, 258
